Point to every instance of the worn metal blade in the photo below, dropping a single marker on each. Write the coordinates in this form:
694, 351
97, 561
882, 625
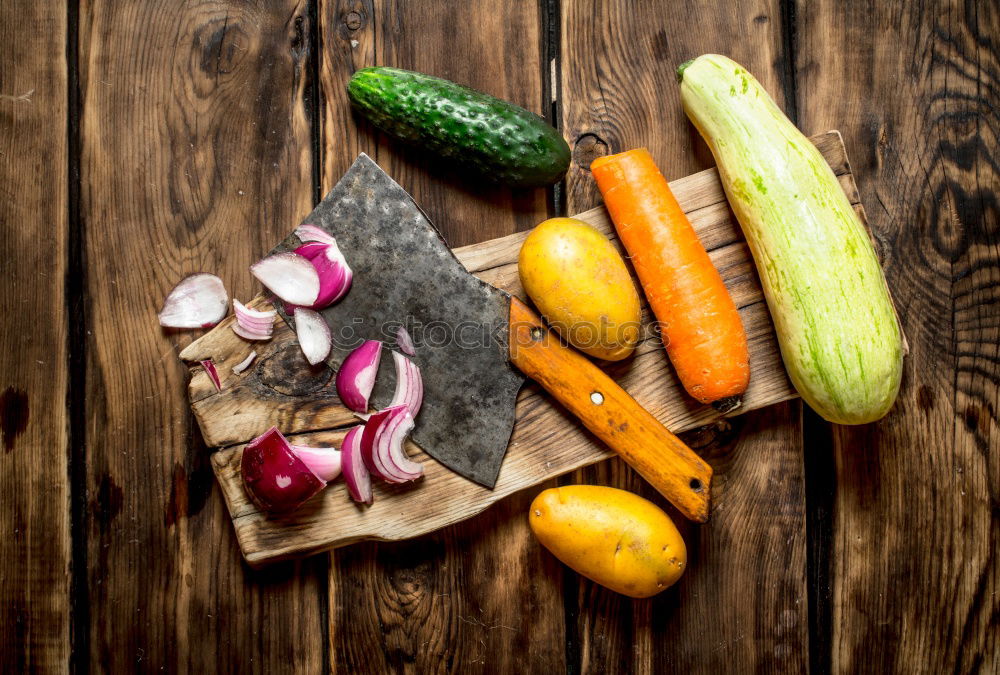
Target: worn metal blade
404, 273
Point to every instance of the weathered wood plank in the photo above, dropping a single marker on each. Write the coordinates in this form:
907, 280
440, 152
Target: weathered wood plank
914, 566
470, 597
546, 443
195, 155
741, 606
35, 549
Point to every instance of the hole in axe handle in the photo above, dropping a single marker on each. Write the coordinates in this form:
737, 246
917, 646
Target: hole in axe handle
597, 398
696, 485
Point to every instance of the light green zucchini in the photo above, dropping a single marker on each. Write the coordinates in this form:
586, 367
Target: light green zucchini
838, 331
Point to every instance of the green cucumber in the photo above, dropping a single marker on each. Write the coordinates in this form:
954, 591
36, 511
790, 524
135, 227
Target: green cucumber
501, 141
837, 328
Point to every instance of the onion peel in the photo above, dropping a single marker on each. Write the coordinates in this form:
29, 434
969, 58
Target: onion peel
313, 334
356, 376
213, 373
356, 475
197, 301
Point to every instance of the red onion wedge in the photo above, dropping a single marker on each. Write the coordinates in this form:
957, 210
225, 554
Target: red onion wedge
314, 335
311, 249
198, 301
372, 461
251, 335
335, 275
359, 483
389, 444
356, 377
213, 374
289, 276
274, 476
253, 318
307, 233
245, 363
324, 462
404, 341
382, 445
253, 324
409, 384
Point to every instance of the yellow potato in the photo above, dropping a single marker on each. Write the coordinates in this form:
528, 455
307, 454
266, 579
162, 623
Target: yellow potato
582, 287
616, 538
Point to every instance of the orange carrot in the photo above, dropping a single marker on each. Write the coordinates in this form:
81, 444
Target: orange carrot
698, 319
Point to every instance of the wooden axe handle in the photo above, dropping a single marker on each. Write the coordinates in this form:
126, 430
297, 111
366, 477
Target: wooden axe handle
610, 413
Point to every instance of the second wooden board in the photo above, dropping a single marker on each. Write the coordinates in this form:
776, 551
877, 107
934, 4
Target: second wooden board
281, 390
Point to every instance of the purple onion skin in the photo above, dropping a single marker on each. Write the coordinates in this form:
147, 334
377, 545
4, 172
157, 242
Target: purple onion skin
368, 444
274, 477
353, 466
369, 353
398, 416
331, 288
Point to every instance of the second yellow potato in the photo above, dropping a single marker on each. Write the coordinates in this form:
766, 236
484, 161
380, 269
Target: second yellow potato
580, 283
616, 538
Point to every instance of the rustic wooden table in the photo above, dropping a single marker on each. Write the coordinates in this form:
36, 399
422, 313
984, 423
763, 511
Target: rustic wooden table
142, 141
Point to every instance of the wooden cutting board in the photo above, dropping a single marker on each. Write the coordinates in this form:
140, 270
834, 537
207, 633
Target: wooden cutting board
281, 389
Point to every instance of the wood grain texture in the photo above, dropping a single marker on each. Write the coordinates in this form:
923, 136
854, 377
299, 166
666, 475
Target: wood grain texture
35, 548
917, 85
617, 91
195, 154
475, 596
547, 442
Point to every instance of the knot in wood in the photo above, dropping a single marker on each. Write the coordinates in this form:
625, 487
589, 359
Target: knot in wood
587, 148
353, 20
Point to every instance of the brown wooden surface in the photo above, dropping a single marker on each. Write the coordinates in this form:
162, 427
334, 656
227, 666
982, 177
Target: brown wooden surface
280, 390
195, 151
163, 138
929, 144
34, 361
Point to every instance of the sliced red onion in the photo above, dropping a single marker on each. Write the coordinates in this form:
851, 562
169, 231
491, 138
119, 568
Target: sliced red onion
404, 341
314, 335
356, 377
198, 301
307, 233
359, 483
254, 319
334, 273
382, 445
274, 476
251, 335
372, 461
245, 363
289, 276
389, 445
409, 384
324, 462
213, 374
311, 249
